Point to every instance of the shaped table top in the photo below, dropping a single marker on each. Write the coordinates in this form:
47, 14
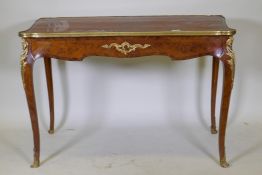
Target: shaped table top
173, 25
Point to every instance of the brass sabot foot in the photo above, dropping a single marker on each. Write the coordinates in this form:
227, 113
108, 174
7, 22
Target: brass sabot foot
224, 164
51, 131
35, 164
213, 130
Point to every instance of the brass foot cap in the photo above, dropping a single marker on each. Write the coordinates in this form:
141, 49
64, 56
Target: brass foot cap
36, 164
213, 130
51, 131
224, 164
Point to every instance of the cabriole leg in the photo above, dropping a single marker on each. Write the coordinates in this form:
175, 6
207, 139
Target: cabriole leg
228, 77
49, 80
27, 63
213, 94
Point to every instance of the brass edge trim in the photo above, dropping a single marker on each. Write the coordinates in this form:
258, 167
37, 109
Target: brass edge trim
125, 47
35, 164
229, 50
223, 163
213, 130
23, 57
231, 54
159, 33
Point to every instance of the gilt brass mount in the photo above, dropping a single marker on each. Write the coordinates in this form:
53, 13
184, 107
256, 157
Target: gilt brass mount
125, 47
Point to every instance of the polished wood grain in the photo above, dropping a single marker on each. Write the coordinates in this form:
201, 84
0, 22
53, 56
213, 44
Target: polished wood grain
49, 80
177, 47
27, 75
228, 78
213, 94
132, 25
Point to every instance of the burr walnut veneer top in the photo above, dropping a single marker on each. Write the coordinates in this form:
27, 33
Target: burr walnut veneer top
188, 25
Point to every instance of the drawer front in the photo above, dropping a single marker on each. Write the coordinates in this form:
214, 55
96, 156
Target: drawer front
176, 47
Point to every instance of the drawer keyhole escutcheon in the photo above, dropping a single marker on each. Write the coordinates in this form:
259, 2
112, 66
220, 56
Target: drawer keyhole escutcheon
126, 47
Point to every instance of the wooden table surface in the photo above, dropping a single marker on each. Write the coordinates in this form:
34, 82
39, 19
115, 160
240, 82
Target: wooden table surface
129, 26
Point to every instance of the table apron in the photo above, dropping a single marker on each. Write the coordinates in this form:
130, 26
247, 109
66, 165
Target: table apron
176, 47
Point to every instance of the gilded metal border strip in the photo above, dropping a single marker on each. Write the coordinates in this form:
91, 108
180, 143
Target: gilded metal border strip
125, 47
23, 57
231, 54
25, 34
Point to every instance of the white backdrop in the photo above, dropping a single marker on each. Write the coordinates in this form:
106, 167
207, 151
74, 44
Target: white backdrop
138, 91
142, 111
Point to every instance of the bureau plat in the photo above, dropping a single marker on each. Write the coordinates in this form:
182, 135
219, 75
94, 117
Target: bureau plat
179, 37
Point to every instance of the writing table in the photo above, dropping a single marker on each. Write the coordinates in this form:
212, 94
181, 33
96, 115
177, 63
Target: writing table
179, 37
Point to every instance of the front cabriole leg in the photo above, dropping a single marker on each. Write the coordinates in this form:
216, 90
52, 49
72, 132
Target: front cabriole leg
27, 63
228, 60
